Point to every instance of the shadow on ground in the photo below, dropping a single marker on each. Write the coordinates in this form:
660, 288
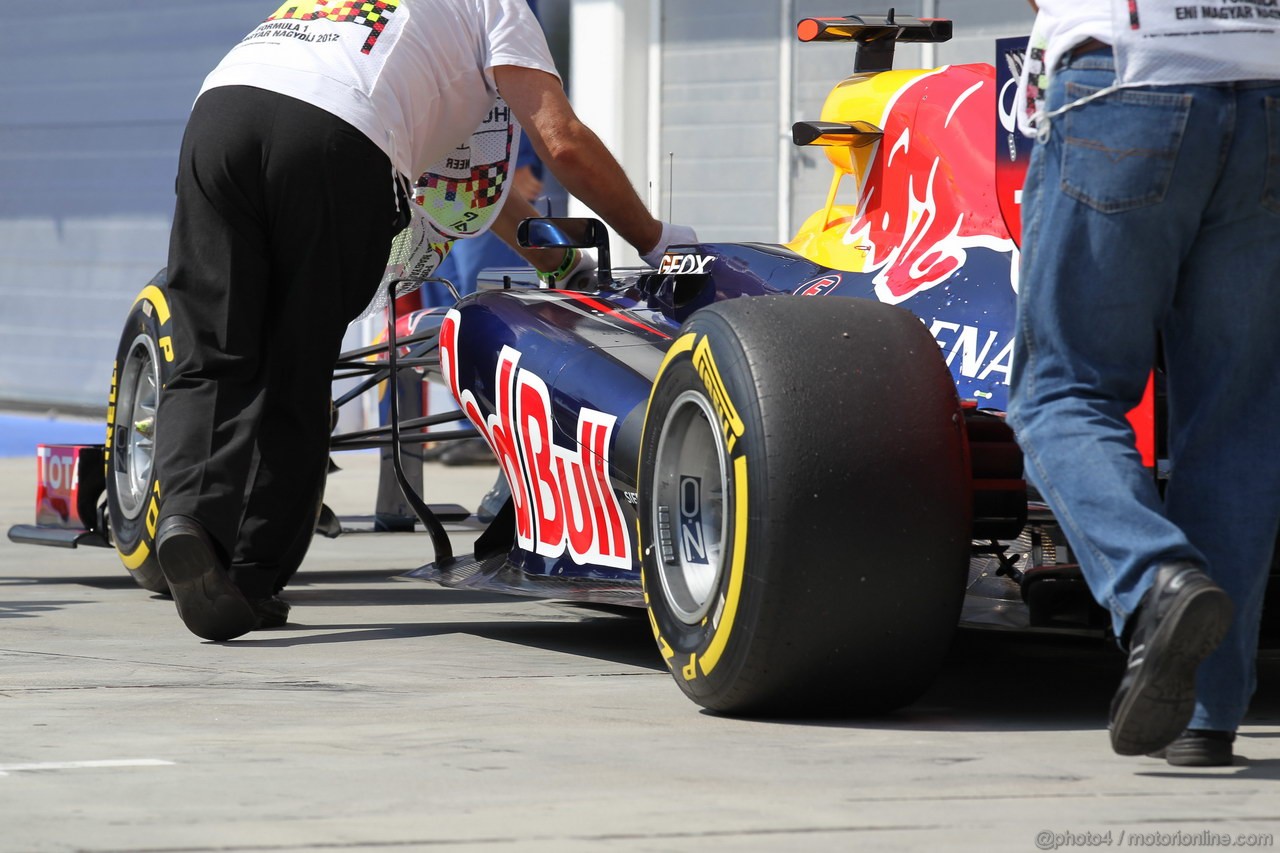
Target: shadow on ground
991, 681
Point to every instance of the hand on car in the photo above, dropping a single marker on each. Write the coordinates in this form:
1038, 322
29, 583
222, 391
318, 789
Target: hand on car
671, 235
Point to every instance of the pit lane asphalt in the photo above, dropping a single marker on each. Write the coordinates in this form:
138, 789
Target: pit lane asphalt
396, 715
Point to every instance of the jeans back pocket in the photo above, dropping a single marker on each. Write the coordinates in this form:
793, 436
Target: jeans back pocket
1119, 150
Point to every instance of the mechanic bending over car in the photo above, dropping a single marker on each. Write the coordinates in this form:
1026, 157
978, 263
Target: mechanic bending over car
1152, 218
291, 184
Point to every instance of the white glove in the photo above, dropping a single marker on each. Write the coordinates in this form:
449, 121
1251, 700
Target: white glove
576, 272
671, 234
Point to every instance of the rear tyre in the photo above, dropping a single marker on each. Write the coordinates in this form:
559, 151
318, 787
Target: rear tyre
804, 507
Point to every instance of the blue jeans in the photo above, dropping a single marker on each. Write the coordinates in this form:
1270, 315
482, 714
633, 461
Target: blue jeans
1152, 216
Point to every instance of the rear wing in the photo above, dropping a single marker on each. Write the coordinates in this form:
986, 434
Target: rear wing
875, 35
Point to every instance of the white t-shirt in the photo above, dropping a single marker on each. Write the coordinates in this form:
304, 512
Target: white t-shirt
415, 76
1156, 42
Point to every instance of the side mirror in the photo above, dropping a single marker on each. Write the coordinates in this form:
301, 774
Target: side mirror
569, 233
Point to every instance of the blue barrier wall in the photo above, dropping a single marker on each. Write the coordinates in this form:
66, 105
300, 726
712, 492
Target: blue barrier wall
93, 100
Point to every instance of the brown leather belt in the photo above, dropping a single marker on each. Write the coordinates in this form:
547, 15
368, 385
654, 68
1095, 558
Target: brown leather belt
1087, 46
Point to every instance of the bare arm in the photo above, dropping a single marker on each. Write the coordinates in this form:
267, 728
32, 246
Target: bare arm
515, 209
575, 154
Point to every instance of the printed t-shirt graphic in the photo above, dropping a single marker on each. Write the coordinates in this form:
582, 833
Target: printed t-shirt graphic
415, 76
372, 15
463, 192
458, 197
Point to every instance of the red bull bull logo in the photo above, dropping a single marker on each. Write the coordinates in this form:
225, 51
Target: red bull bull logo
923, 182
928, 198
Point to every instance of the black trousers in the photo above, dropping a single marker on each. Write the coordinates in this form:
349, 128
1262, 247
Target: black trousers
283, 224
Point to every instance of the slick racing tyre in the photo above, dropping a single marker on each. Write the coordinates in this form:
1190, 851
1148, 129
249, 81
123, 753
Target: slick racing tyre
804, 507
144, 362
143, 365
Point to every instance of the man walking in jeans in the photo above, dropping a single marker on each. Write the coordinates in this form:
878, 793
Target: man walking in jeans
1152, 220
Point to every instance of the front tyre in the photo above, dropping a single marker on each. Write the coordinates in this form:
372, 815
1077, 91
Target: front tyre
144, 362
143, 366
804, 507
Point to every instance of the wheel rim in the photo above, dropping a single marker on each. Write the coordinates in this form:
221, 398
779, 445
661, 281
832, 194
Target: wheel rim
134, 439
689, 507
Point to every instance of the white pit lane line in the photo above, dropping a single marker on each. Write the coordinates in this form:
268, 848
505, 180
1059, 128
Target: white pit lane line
6, 769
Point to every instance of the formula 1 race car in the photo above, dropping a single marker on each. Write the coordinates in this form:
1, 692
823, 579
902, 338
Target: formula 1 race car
805, 494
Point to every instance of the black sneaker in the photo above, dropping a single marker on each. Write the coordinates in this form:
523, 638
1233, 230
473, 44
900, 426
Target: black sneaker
1199, 748
209, 603
1183, 617
272, 612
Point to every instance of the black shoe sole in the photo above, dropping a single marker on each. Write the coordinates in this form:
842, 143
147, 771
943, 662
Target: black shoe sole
208, 603
1162, 696
1199, 754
